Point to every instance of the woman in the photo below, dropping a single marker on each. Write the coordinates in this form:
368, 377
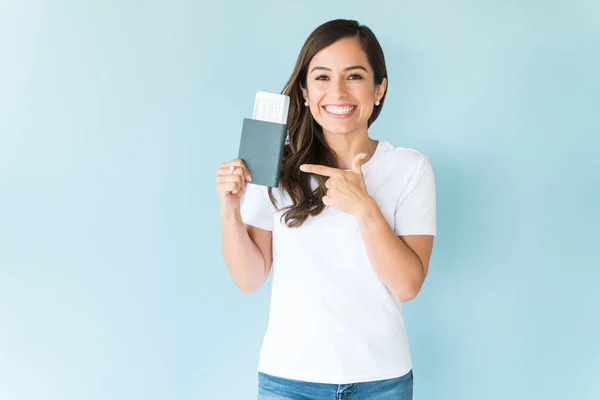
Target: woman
348, 233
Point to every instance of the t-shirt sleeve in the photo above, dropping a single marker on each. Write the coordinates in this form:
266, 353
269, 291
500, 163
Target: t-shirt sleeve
257, 209
416, 209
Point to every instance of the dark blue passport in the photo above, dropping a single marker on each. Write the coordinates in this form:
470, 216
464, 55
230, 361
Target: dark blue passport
261, 148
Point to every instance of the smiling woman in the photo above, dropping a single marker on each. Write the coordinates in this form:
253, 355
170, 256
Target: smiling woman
348, 233
336, 92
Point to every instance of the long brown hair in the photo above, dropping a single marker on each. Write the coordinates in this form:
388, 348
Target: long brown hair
306, 143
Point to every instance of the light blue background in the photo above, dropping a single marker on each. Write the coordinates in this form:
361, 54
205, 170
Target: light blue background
114, 117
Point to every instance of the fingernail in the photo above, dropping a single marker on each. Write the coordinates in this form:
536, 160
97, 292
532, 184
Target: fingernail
302, 168
249, 178
363, 156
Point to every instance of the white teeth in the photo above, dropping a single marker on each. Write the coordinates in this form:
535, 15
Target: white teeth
339, 110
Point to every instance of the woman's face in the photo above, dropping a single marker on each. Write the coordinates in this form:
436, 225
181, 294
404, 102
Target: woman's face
340, 87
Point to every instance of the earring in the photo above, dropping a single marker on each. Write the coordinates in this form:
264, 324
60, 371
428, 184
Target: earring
377, 103
306, 104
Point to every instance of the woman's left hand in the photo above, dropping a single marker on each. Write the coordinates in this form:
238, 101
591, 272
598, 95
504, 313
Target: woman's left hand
346, 189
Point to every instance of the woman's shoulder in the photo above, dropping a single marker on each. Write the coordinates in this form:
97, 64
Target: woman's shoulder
402, 157
261, 192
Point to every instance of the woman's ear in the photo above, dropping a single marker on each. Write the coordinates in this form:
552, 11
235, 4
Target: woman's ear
380, 89
304, 92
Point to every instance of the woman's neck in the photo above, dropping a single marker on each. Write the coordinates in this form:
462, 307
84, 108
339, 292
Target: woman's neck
346, 146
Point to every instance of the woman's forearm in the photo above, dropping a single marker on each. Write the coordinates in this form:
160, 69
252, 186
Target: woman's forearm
244, 260
397, 265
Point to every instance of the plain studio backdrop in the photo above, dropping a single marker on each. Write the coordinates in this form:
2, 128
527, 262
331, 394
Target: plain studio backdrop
114, 117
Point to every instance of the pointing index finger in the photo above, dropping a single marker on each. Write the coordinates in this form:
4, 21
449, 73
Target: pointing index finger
320, 170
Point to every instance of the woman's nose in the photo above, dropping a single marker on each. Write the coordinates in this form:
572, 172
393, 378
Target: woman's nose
339, 88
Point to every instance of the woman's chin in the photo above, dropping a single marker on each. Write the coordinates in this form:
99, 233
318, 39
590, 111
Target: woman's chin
340, 129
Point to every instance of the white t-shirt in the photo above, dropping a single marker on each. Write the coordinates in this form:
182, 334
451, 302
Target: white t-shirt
332, 319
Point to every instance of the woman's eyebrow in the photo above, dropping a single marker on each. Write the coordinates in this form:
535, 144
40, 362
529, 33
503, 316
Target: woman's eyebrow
319, 68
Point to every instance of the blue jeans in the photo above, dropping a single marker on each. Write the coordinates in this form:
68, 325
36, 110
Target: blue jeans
275, 388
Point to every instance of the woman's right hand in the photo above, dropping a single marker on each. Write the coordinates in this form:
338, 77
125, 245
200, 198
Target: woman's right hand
231, 185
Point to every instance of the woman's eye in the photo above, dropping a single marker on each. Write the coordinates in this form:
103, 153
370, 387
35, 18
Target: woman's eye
326, 78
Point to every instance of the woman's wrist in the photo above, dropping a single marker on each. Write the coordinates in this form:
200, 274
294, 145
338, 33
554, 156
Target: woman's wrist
367, 208
228, 214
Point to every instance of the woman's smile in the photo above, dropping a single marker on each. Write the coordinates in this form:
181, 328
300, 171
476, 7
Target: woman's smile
340, 111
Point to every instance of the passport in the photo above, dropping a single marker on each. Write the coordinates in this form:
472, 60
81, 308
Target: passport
261, 148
